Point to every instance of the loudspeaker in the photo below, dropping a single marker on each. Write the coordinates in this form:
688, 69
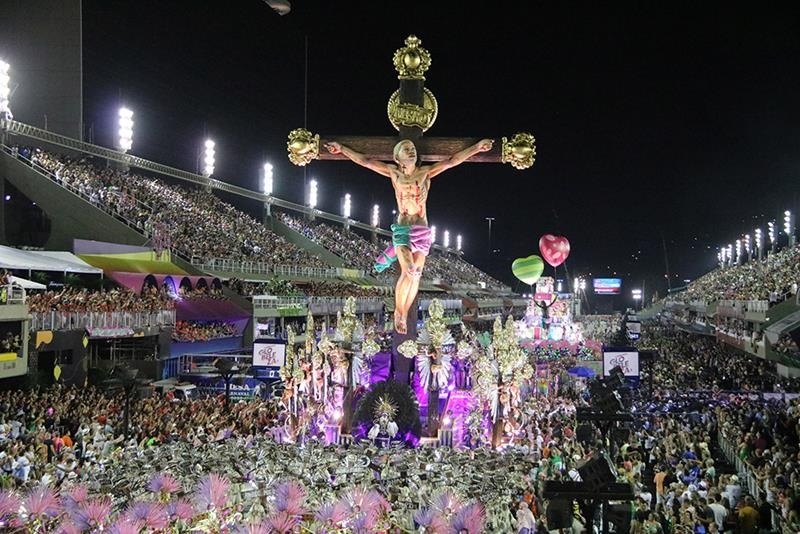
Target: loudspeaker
559, 514
620, 516
598, 472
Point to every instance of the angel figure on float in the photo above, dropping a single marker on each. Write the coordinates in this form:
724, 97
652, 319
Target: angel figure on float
383, 421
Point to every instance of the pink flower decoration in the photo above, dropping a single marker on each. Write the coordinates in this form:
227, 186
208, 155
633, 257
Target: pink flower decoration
41, 501
164, 483
93, 513
289, 497
125, 525
181, 509
9, 505
471, 517
282, 522
212, 492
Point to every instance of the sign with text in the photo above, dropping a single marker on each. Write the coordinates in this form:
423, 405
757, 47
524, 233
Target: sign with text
626, 359
269, 353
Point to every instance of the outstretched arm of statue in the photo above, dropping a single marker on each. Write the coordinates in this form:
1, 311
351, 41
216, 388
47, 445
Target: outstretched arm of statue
357, 157
484, 145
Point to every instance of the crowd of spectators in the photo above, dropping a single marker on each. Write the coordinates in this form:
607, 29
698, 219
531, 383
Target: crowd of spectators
81, 300
199, 331
356, 251
62, 433
273, 286
10, 342
361, 253
694, 393
200, 225
773, 279
671, 458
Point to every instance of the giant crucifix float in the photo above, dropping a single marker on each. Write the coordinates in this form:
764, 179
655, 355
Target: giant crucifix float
412, 110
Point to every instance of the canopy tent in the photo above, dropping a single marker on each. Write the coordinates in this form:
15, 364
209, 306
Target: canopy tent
27, 284
40, 260
786, 325
583, 372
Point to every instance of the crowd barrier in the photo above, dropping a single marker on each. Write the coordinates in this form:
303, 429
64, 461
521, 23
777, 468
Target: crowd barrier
747, 478
61, 320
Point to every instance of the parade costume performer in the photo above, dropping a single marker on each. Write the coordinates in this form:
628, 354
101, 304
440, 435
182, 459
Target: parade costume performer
411, 237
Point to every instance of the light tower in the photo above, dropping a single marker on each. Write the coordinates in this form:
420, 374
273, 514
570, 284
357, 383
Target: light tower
772, 236
747, 247
759, 243
376, 216
125, 131
5, 91
312, 199
788, 227
346, 210
209, 158
266, 188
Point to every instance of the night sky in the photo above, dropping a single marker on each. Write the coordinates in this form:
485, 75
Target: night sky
662, 132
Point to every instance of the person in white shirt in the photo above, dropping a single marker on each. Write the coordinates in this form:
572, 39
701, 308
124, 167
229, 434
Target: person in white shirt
526, 522
720, 512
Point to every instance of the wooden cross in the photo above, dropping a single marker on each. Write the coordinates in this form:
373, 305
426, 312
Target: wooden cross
412, 110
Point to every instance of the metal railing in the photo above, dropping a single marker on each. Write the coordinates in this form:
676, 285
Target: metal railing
267, 269
96, 320
747, 477
12, 294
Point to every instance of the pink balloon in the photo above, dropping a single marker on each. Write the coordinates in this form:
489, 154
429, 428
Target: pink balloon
554, 249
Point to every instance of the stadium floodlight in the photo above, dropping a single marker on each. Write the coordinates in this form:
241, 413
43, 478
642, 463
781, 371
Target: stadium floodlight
759, 242
747, 247
446, 239
721, 256
5, 90
788, 226
266, 182
771, 234
582, 284
125, 129
376, 215
637, 297
346, 206
738, 251
458, 242
730, 254
209, 158
433, 234
313, 190
266, 188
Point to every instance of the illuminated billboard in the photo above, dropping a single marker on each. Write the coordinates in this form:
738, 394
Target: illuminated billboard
607, 286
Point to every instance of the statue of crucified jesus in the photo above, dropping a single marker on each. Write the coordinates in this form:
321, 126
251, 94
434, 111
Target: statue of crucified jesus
411, 236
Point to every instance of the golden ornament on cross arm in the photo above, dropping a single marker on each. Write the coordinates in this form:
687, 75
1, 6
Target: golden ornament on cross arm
303, 146
520, 151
